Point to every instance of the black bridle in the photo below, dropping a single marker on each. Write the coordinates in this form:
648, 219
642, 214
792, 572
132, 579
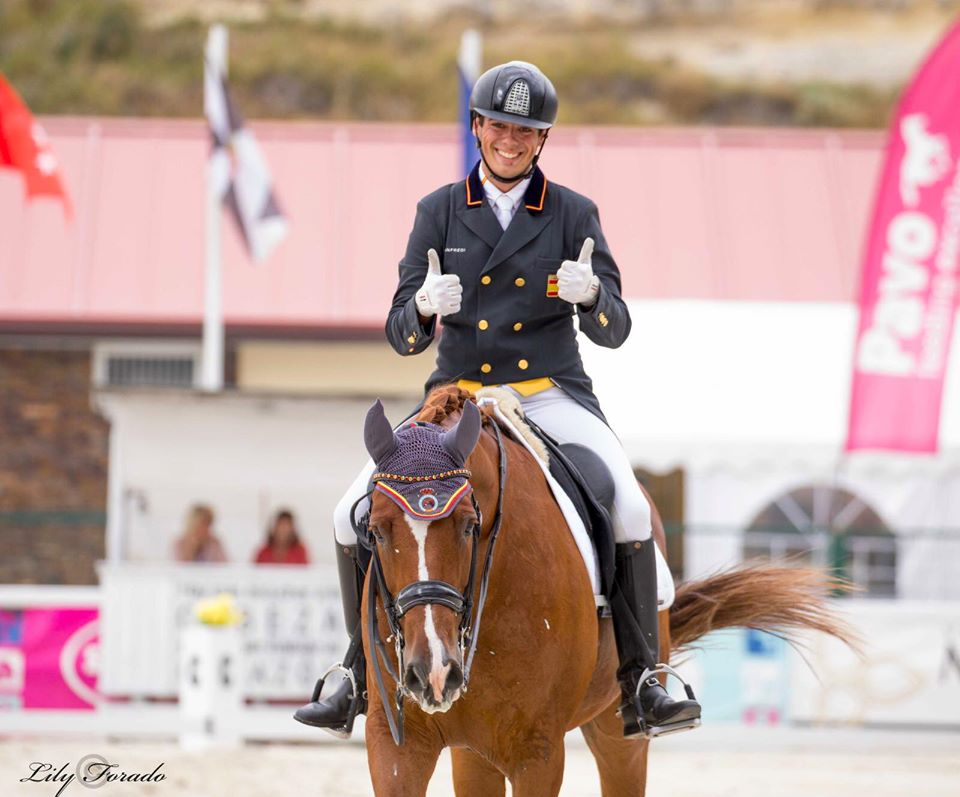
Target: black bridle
427, 592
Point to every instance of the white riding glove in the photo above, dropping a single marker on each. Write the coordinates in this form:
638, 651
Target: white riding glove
576, 282
440, 293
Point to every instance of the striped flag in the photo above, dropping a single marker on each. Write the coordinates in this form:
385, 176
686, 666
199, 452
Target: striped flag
240, 177
468, 69
553, 286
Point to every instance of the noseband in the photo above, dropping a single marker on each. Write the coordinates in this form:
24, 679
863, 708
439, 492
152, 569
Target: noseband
427, 592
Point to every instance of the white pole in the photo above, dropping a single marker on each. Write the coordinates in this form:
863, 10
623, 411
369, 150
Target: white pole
471, 54
468, 62
212, 376
117, 517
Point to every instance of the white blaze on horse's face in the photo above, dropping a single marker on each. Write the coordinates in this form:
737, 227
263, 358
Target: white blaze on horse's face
440, 657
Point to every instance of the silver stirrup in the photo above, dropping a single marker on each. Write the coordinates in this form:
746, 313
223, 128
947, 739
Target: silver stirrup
338, 667
666, 669
657, 731
676, 727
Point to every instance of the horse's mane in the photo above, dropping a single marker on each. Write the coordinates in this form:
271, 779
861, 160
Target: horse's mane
443, 402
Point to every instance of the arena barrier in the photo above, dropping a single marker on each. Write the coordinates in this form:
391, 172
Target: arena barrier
909, 675
122, 645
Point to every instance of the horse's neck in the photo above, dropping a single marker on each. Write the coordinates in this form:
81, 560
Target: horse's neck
537, 568
527, 502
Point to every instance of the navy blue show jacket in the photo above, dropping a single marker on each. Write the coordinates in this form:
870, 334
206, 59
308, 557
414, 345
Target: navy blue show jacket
511, 325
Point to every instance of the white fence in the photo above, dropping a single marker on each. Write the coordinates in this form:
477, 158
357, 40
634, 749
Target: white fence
293, 628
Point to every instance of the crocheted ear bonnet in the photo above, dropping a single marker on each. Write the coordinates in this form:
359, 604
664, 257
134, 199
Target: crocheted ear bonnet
420, 467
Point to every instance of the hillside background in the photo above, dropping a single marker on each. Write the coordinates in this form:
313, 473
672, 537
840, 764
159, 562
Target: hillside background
721, 62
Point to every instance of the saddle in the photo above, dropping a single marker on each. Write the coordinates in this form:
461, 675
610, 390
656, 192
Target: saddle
586, 480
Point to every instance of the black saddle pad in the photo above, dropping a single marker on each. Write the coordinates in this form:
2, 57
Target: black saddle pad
587, 480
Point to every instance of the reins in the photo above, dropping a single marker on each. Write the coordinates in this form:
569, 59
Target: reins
425, 593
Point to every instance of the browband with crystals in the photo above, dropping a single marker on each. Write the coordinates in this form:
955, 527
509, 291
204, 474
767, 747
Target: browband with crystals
394, 477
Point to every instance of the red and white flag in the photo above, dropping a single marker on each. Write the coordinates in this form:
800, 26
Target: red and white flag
909, 284
24, 146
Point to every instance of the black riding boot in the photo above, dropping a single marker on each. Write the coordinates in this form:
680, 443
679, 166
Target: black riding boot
646, 708
336, 711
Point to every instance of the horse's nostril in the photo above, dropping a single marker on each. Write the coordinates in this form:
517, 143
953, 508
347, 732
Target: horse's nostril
454, 679
416, 678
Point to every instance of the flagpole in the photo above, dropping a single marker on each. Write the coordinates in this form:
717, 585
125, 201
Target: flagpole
468, 66
212, 373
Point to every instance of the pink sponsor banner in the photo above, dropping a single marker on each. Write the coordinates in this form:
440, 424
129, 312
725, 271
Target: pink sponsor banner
909, 289
48, 658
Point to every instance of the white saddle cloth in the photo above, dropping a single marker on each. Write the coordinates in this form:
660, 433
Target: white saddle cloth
665, 586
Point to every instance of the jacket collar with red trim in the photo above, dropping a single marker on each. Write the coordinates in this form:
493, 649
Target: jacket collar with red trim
533, 198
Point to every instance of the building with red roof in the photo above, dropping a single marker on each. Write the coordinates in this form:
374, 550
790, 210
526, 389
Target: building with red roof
739, 251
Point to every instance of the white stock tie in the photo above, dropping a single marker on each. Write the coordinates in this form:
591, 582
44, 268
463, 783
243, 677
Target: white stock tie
504, 210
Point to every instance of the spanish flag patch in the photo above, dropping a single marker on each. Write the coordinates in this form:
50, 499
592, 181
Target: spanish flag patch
553, 289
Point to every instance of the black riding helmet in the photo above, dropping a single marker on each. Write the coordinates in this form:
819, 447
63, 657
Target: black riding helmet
515, 92
518, 93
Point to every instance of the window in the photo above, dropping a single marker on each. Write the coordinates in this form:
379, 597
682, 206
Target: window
828, 526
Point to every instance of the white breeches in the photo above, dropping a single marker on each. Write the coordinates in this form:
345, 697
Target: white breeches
567, 422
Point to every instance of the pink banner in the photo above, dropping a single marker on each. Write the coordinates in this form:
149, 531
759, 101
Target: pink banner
909, 290
48, 658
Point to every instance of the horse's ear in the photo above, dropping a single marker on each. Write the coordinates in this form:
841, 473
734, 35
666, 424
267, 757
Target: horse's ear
462, 438
378, 435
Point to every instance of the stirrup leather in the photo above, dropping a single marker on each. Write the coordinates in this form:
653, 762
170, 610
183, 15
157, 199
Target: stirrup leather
345, 731
648, 731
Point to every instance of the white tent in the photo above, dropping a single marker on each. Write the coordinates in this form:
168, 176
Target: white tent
751, 400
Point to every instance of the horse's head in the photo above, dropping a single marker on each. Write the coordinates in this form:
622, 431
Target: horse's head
424, 537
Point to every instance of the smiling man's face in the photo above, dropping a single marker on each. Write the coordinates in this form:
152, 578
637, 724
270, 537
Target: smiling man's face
507, 148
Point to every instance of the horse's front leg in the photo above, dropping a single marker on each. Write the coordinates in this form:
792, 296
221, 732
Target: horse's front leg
401, 771
474, 776
538, 771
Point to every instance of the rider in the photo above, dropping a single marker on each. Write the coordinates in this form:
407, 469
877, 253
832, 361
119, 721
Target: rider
507, 260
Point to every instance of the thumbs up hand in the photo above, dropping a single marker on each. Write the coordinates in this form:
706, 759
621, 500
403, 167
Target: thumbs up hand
576, 282
440, 293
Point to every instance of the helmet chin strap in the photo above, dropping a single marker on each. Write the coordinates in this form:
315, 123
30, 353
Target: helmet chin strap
533, 164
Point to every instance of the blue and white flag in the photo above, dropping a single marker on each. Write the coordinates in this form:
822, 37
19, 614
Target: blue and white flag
468, 69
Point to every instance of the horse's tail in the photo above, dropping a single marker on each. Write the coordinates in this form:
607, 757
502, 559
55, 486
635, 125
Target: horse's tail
781, 600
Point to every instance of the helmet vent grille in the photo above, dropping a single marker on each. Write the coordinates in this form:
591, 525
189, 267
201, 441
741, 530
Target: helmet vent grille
518, 99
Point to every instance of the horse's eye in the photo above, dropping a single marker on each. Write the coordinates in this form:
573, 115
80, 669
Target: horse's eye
377, 533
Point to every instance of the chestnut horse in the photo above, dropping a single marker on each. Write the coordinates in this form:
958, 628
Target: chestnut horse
544, 662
